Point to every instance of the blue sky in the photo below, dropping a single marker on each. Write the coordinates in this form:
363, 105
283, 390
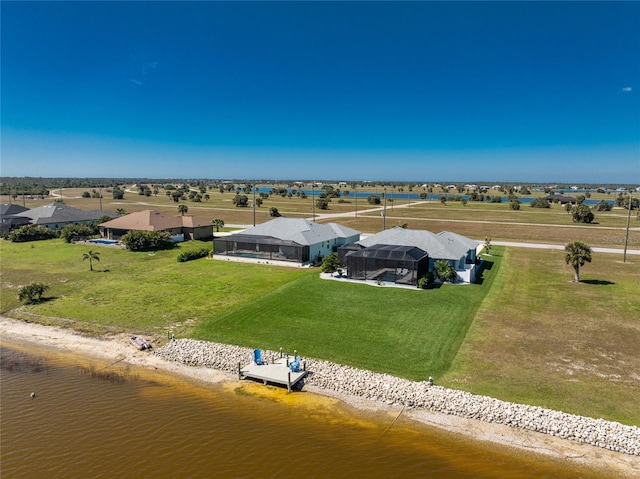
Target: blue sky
424, 91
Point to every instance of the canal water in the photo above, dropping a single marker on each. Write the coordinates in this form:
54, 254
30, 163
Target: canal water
92, 419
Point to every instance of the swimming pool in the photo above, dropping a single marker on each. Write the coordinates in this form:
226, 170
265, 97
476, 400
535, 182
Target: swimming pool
103, 241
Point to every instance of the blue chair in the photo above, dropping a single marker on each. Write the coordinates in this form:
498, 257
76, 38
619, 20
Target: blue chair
295, 365
257, 357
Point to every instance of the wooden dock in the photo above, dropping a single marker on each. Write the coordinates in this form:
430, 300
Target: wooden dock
277, 372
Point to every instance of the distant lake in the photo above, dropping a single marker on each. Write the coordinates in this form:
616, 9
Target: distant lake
430, 196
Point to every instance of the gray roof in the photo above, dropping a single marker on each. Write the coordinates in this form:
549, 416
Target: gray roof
444, 245
301, 231
11, 209
61, 213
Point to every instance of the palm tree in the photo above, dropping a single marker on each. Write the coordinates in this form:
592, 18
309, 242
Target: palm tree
217, 224
183, 209
577, 254
120, 211
91, 255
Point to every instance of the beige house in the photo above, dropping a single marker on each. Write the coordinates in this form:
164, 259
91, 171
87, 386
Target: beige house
181, 228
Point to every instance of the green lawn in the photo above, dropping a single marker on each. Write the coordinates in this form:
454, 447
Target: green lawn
526, 334
144, 292
408, 333
541, 339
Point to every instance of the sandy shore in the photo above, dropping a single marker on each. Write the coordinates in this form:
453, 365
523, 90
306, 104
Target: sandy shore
118, 348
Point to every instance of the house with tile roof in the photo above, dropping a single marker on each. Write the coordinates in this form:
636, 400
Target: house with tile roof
411, 254
286, 239
181, 228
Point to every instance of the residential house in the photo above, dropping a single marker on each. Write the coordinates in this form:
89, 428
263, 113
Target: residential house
181, 228
286, 239
57, 215
11, 217
411, 253
563, 200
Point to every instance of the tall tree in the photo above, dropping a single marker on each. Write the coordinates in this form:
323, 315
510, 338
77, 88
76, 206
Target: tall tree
91, 256
577, 254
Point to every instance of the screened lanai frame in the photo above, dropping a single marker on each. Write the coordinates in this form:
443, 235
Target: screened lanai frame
261, 247
387, 263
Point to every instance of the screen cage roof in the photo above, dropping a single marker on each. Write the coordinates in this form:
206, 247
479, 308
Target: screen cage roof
257, 239
390, 252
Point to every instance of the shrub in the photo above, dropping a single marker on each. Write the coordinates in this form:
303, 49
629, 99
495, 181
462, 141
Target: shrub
514, 205
32, 292
191, 255
445, 271
70, 233
540, 203
582, 214
603, 206
330, 263
31, 233
373, 200
426, 281
322, 204
147, 240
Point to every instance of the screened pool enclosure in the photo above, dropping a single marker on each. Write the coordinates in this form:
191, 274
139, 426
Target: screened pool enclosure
261, 247
387, 263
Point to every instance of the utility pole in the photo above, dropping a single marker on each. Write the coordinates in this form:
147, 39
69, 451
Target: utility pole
254, 204
355, 190
313, 200
100, 195
626, 236
384, 211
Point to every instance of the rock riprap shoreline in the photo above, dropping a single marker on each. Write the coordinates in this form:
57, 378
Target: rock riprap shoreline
419, 395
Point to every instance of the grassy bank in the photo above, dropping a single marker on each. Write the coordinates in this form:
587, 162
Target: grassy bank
541, 339
526, 334
409, 333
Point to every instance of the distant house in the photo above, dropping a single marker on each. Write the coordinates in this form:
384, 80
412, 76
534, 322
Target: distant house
57, 215
286, 239
403, 256
563, 200
181, 228
11, 217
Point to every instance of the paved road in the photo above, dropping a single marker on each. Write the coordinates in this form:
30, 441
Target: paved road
619, 251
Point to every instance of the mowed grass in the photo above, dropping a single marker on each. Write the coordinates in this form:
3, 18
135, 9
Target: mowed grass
541, 339
526, 334
408, 333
